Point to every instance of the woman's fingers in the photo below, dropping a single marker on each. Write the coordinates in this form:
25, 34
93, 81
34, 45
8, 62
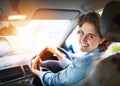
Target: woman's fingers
34, 66
52, 49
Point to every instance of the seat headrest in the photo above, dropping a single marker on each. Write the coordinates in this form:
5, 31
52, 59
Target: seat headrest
110, 21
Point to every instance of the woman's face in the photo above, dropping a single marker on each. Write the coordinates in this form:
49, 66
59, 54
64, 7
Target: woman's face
89, 38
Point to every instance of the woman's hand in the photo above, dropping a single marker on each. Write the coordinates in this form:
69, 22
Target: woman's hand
34, 69
52, 49
55, 51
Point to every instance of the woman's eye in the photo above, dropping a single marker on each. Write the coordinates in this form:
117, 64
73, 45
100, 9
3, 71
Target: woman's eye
80, 32
91, 36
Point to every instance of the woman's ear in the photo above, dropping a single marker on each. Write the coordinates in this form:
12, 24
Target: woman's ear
102, 40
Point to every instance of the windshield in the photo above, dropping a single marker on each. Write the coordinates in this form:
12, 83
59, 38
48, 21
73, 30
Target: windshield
37, 34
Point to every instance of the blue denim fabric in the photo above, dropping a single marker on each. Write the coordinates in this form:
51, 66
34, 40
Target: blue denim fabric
75, 73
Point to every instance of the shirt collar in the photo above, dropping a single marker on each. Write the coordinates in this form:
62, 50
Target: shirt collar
97, 50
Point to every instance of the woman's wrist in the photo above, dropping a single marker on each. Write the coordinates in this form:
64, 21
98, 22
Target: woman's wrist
59, 55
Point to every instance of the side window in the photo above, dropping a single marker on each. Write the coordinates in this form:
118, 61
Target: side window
72, 41
5, 47
113, 48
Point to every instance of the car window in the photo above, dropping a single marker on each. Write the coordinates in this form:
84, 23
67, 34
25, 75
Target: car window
72, 41
5, 46
36, 34
112, 49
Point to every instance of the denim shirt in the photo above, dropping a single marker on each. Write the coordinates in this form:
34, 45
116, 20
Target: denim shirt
75, 71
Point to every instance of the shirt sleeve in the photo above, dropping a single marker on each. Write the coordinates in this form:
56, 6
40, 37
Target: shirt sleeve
74, 73
65, 62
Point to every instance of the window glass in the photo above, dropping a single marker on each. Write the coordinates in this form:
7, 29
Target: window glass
112, 49
72, 41
37, 34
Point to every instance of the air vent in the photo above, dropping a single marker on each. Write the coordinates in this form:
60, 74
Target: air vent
27, 70
11, 74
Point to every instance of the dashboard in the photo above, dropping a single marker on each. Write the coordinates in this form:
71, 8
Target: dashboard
16, 70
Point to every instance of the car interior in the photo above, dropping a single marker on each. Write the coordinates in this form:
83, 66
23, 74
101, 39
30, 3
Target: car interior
28, 26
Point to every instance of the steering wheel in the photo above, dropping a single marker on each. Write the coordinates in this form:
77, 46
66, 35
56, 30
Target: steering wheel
46, 55
64, 52
49, 56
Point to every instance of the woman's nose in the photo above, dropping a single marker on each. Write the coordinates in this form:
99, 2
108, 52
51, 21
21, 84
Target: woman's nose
83, 38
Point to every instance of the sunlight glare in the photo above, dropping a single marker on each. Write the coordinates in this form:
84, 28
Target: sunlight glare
37, 34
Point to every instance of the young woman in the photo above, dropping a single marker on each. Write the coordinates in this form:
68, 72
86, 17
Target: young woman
75, 72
